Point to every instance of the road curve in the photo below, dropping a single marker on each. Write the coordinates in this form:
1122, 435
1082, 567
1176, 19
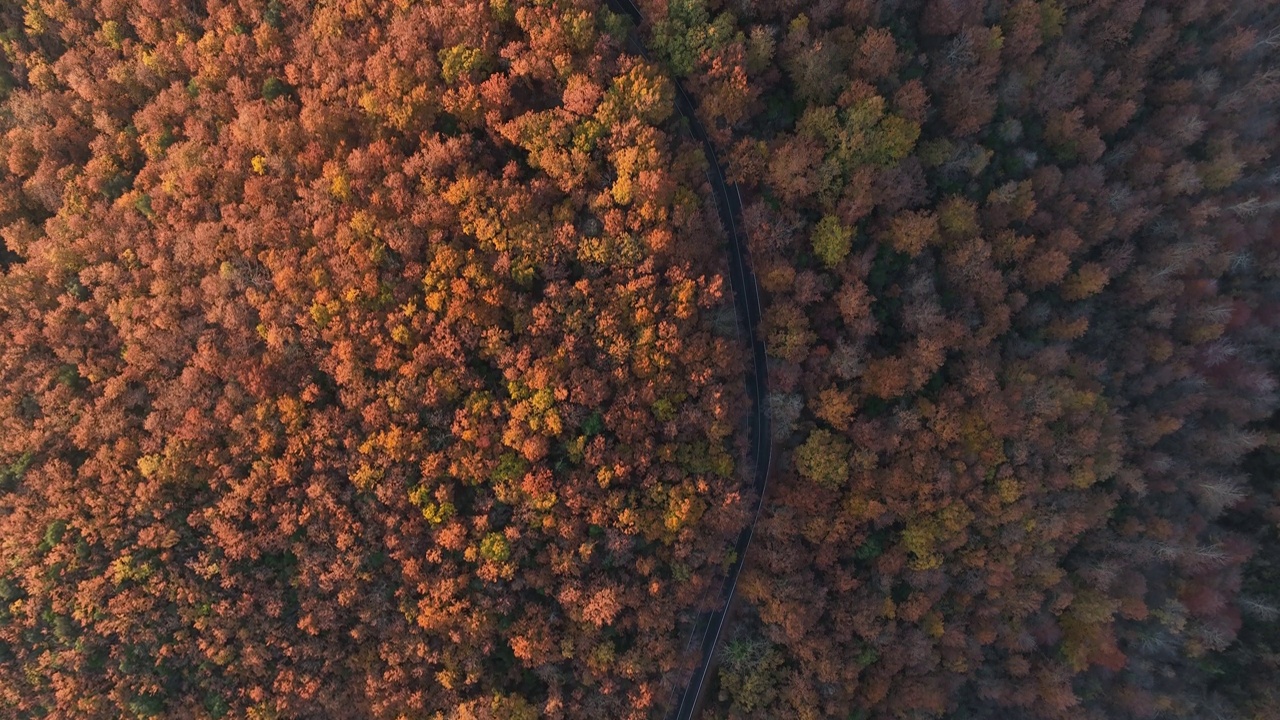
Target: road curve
746, 295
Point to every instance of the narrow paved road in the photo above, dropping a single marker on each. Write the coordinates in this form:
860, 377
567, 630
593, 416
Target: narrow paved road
746, 295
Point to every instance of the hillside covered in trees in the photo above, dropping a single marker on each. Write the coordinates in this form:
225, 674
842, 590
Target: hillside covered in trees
379, 358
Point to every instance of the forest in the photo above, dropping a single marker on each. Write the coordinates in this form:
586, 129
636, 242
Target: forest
394, 359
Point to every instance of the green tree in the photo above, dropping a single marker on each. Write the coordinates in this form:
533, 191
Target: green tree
824, 459
831, 240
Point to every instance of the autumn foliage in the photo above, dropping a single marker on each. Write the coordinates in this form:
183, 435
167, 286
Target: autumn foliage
357, 362
379, 358
1018, 261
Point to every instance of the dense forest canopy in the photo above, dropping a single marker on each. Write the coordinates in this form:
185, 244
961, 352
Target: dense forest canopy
379, 358
355, 363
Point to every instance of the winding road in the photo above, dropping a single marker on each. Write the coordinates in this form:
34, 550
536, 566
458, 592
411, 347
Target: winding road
746, 294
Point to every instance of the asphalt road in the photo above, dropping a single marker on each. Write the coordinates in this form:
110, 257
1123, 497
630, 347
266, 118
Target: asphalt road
746, 295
